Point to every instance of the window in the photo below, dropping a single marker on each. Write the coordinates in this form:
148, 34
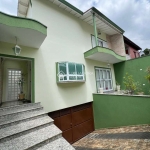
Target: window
103, 79
67, 71
99, 41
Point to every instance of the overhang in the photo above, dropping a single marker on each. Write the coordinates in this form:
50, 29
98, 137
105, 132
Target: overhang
103, 23
104, 55
29, 32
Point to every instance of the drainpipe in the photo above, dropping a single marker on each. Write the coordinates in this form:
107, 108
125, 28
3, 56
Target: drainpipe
95, 31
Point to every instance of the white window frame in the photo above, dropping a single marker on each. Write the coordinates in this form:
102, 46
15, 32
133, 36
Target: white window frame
99, 80
71, 75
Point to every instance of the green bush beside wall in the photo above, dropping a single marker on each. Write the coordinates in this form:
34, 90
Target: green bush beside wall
116, 110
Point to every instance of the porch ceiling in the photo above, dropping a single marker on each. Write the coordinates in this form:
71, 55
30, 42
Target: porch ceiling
30, 33
104, 55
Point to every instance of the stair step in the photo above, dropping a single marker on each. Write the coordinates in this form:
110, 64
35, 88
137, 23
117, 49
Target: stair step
58, 144
15, 118
18, 108
11, 103
31, 139
14, 130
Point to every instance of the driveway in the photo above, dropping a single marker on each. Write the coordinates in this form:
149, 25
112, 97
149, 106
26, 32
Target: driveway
125, 138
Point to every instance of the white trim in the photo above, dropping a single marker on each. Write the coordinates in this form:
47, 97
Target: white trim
100, 80
70, 75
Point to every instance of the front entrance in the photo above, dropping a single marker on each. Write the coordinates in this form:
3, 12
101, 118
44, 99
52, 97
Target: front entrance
16, 78
75, 122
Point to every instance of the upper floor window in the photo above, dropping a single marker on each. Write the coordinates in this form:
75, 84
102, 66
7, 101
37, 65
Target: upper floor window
67, 71
100, 42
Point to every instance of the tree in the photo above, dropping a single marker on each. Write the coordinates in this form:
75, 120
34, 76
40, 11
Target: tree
146, 52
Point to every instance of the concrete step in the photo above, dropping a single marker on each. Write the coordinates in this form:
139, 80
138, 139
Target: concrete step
58, 144
11, 103
22, 128
19, 117
30, 140
18, 108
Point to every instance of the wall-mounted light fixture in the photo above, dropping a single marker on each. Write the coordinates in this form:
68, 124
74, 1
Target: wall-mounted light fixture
16, 49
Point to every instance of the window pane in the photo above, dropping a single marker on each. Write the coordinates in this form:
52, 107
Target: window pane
71, 67
101, 74
93, 41
106, 85
104, 74
98, 85
79, 69
79, 77
62, 68
108, 74
72, 77
97, 74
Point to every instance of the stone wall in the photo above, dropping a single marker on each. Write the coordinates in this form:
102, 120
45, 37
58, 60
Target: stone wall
116, 43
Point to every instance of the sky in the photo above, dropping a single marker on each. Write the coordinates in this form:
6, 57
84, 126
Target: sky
133, 16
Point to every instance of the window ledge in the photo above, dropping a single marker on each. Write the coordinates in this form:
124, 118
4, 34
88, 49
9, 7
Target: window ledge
71, 81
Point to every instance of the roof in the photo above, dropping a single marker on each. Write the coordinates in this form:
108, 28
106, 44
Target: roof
103, 23
130, 43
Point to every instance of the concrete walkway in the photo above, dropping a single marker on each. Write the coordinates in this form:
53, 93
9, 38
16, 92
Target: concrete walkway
126, 138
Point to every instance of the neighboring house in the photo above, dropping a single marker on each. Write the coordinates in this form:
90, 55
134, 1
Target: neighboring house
132, 49
66, 55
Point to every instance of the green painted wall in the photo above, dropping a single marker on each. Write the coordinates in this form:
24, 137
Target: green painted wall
116, 110
133, 67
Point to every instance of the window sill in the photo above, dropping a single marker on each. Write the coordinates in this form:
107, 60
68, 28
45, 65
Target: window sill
71, 81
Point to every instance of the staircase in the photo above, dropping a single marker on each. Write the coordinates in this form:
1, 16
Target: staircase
28, 126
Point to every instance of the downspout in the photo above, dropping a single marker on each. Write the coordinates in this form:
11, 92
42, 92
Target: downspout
95, 30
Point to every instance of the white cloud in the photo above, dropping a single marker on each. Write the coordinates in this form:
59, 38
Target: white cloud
131, 15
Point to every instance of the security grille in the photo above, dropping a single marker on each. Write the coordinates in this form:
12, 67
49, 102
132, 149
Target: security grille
13, 86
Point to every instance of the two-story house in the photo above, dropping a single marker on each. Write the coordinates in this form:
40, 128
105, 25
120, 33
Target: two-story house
66, 55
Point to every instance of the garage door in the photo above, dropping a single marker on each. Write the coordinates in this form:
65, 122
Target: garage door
75, 122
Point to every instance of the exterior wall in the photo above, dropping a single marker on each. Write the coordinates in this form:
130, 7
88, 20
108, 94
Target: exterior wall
67, 39
132, 52
117, 44
1, 80
117, 110
13, 64
108, 41
136, 68
29, 13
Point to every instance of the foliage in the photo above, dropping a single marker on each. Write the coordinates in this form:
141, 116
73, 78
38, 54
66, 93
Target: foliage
130, 84
117, 83
146, 52
148, 74
20, 82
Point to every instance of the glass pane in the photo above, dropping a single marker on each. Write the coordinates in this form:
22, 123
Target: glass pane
109, 85
62, 68
72, 77
79, 69
97, 74
108, 74
98, 85
101, 74
71, 67
93, 41
104, 74
106, 85
102, 84
79, 77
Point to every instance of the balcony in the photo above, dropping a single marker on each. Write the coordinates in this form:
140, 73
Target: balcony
104, 55
29, 32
